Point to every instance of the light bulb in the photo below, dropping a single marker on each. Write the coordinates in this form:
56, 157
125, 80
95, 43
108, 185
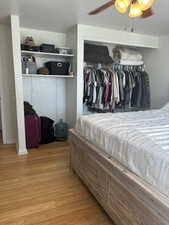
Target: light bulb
135, 10
122, 5
145, 4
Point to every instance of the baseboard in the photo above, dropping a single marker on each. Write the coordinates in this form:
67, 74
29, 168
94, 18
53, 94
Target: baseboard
22, 152
11, 141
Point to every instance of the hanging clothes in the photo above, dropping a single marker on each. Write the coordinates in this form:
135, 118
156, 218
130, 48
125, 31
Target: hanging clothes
110, 90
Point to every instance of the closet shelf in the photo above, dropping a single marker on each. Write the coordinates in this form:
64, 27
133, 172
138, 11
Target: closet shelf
46, 76
45, 54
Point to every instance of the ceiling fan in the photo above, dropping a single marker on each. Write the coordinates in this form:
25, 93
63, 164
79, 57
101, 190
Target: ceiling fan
138, 8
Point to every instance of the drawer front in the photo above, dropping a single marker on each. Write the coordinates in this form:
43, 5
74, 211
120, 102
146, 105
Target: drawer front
78, 160
118, 204
90, 172
96, 179
127, 208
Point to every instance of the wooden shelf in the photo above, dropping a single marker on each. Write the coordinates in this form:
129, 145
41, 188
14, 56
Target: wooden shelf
46, 76
45, 54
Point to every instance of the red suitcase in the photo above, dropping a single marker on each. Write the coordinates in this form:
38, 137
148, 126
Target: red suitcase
32, 131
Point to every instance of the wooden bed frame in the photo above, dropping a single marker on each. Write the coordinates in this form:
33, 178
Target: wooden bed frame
126, 198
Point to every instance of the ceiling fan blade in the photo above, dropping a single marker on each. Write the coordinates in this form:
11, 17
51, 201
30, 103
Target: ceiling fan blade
146, 14
103, 7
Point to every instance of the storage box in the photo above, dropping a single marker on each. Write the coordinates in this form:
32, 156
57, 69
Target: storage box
58, 68
47, 48
64, 51
29, 65
96, 54
30, 48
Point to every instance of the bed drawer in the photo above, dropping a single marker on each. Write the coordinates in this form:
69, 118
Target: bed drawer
78, 160
89, 170
125, 197
123, 206
118, 206
96, 179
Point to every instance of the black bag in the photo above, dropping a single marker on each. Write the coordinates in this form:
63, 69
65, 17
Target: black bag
28, 109
58, 68
47, 130
97, 54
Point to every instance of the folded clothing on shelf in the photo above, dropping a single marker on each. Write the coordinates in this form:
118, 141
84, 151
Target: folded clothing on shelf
129, 62
126, 54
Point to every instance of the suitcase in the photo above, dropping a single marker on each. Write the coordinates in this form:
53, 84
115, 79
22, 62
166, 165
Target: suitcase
58, 68
32, 131
47, 130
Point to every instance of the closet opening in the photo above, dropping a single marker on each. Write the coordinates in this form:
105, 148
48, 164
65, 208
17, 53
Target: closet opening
115, 78
46, 70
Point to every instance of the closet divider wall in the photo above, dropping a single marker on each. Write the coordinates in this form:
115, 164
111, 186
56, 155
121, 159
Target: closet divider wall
72, 84
17, 68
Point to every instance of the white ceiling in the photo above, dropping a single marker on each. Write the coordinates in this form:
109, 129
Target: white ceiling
59, 15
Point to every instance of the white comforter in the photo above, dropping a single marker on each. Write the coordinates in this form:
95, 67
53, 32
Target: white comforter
138, 140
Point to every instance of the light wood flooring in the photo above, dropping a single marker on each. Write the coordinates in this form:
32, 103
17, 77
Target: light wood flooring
39, 189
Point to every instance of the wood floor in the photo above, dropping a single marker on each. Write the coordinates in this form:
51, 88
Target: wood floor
39, 189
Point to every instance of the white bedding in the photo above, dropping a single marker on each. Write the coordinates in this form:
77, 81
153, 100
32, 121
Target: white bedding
138, 140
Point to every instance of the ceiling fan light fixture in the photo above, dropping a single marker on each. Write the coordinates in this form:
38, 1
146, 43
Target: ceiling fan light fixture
135, 10
145, 4
122, 5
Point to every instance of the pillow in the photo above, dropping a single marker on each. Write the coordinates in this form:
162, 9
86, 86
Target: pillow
166, 107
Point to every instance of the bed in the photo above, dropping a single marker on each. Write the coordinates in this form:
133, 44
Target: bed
124, 161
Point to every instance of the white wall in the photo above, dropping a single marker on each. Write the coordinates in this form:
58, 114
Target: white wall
7, 86
101, 34
40, 36
47, 95
157, 62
